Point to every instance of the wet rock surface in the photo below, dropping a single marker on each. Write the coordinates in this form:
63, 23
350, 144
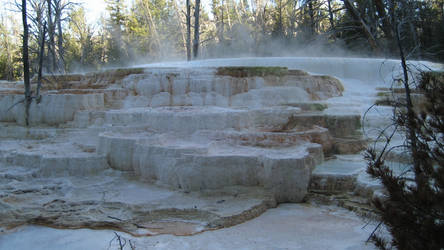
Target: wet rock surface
165, 149
116, 201
289, 226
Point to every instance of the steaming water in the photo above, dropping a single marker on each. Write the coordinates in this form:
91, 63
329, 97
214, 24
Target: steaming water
360, 76
364, 69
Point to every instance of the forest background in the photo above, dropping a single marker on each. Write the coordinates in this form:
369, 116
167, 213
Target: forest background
142, 31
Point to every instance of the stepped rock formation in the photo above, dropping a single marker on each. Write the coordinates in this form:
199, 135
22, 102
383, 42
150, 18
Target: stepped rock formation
182, 148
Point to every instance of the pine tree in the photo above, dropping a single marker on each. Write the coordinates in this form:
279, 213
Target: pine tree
413, 209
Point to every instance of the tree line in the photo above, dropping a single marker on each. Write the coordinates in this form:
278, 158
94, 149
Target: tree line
152, 30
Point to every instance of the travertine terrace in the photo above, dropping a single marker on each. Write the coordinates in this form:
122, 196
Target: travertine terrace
180, 148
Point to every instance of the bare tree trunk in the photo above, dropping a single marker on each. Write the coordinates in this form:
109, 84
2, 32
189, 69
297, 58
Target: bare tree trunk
411, 122
357, 17
27, 83
196, 29
51, 42
280, 22
41, 55
188, 30
411, 135
311, 13
330, 15
61, 59
61, 50
264, 20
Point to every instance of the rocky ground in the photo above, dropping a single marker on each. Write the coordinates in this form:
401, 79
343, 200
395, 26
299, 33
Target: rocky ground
289, 226
194, 157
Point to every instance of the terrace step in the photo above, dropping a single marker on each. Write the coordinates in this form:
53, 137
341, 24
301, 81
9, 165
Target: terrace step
117, 201
337, 175
53, 159
200, 162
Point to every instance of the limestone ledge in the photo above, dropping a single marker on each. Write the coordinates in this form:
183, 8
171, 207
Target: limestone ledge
159, 87
190, 119
53, 109
56, 165
66, 96
118, 202
199, 164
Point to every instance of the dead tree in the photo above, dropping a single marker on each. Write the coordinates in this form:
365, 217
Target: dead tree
330, 15
221, 31
27, 82
61, 60
188, 17
51, 38
412, 207
365, 28
41, 55
279, 21
312, 17
36, 20
196, 29
59, 7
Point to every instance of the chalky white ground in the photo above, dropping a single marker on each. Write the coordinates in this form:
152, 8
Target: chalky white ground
289, 226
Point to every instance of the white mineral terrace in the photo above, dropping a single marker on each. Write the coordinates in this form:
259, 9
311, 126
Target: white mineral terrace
184, 148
